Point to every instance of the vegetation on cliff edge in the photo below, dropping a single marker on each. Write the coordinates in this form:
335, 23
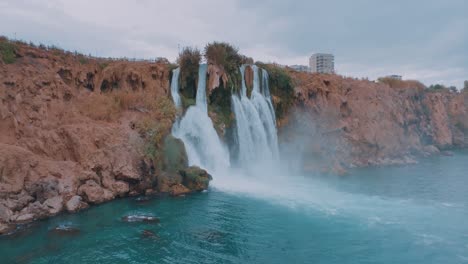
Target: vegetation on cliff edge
7, 51
189, 62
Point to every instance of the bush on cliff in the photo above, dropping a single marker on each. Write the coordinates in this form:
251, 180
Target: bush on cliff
395, 83
189, 62
223, 54
226, 56
7, 51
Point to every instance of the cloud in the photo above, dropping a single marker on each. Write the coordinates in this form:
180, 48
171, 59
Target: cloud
423, 40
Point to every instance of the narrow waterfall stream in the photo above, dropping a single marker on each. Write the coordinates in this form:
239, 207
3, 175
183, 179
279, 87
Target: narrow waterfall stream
255, 123
175, 88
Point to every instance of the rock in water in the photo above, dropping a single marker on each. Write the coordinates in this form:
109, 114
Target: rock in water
65, 230
178, 190
6, 228
195, 178
148, 234
140, 218
142, 199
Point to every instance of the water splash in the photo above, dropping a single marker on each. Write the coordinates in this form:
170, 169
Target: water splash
175, 88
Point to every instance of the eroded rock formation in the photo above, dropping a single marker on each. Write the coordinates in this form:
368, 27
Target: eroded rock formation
345, 122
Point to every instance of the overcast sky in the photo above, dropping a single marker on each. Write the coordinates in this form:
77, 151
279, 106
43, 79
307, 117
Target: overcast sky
425, 40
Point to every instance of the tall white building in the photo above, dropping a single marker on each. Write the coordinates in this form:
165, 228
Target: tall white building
322, 63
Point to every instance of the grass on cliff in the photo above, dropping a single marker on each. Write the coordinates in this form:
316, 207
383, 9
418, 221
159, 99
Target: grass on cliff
110, 106
157, 114
395, 83
7, 51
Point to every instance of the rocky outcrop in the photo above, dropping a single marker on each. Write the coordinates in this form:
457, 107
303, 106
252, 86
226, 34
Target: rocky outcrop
216, 77
77, 131
195, 178
344, 122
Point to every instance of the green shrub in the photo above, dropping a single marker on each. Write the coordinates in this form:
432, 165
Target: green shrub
437, 87
82, 59
7, 51
103, 65
189, 62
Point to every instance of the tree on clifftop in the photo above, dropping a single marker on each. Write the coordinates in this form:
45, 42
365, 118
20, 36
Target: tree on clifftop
189, 61
225, 55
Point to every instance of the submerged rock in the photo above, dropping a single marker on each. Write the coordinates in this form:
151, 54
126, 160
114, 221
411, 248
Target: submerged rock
6, 228
65, 230
148, 234
447, 153
142, 199
140, 218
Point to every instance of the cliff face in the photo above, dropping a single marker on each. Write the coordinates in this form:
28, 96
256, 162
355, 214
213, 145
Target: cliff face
76, 131
349, 122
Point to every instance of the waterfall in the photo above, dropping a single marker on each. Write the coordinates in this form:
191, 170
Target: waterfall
196, 130
175, 88
256, 135
266, 92
201, 88
255, 123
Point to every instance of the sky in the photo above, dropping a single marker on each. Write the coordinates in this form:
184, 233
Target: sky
425, 40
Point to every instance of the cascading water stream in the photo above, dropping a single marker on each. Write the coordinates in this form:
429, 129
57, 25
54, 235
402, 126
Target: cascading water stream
256, 140
175, 88
201, 88
255, 124
196, 130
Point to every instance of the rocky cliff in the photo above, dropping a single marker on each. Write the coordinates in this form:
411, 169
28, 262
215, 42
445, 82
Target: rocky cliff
346, 122
76, 131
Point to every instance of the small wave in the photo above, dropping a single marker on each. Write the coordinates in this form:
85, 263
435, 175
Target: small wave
429, 239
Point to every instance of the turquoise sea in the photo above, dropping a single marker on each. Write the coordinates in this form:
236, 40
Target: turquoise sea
408, 214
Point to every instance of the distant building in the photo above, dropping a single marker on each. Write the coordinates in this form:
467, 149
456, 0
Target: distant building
394, 76
300, 68
322, 63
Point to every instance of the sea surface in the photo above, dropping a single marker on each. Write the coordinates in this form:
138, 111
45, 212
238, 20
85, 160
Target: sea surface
408, 214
